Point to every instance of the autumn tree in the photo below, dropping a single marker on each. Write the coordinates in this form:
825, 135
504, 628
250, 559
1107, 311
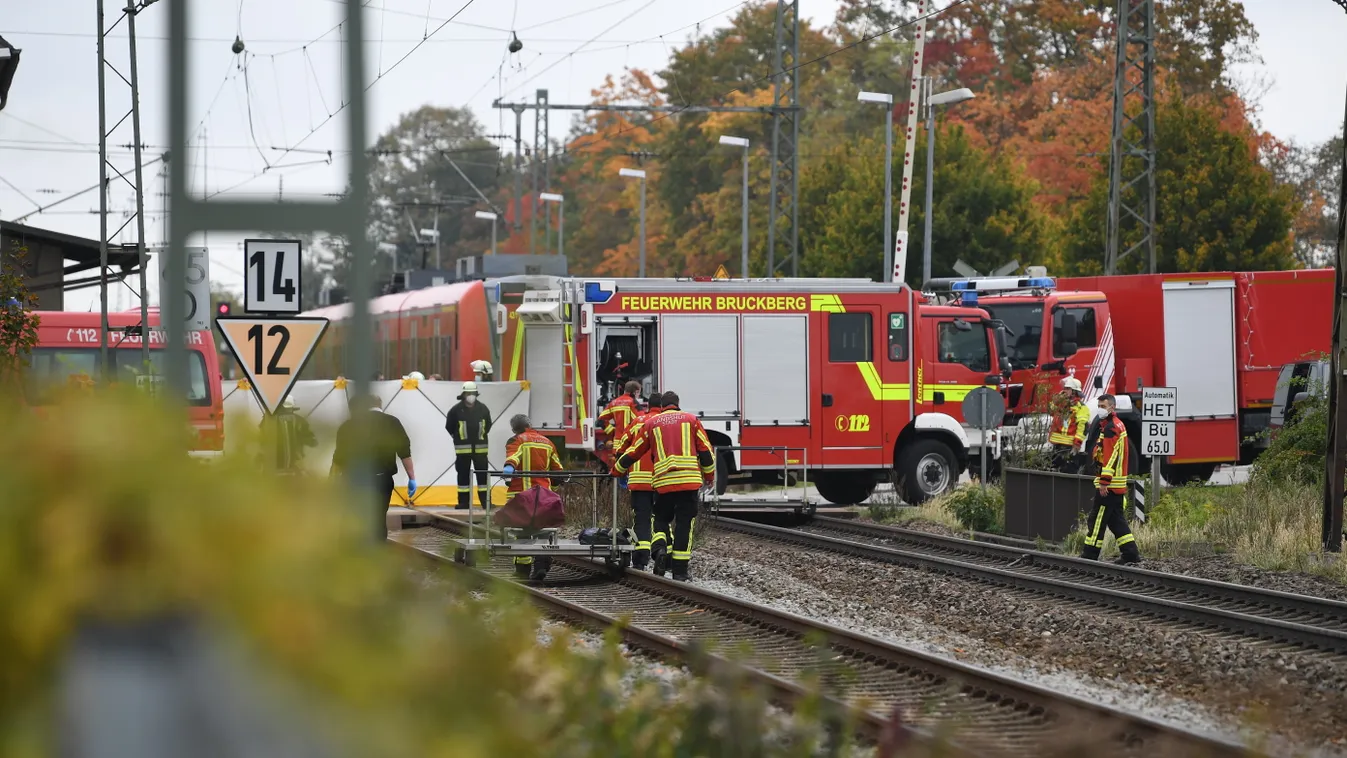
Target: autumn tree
18, 321
1314, 172
1217, 208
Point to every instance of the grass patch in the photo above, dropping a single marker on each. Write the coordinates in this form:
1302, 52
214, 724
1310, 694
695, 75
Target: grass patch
963, 509
1270, 525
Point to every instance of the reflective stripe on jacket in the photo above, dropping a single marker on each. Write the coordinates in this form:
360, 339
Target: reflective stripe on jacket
641, 477
469, 427
1110, 452
530, 451
1070, 429
617, 417
683, 457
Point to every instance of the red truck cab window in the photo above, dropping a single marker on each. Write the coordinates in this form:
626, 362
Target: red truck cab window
1087, 330
965, 344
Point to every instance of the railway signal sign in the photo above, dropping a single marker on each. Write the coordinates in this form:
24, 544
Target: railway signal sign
196, 288
272, 352
271, 271
1159, 412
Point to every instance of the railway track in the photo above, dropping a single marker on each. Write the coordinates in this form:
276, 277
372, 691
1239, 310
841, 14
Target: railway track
870, 678
1276, 618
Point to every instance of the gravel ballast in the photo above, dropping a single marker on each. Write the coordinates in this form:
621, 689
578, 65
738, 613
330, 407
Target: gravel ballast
1197, 680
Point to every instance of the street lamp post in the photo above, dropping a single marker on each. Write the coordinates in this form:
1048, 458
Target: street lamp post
944, 98
488, 215
552, 197
741, 142
880, 97
636, 173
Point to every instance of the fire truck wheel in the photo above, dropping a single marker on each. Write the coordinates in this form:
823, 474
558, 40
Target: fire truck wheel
844, 487
926, 468
723, 465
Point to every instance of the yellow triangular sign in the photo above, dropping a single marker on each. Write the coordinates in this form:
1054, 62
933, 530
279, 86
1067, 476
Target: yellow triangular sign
272, 351
721, 273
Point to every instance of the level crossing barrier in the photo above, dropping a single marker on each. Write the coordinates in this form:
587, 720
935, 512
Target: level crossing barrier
421, 406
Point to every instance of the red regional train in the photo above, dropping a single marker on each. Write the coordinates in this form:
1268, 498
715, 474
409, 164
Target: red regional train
435, 330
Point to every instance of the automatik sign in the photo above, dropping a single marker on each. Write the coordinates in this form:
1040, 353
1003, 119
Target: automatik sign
1159, 412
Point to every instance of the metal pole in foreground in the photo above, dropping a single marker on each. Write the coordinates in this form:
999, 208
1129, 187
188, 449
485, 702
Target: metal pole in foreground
887, 101
982, 457
642, 268
140, 196
743, 255
102, 203
1335, 462
930, 188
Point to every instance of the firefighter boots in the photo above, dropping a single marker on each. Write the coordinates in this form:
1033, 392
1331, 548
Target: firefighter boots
540, 567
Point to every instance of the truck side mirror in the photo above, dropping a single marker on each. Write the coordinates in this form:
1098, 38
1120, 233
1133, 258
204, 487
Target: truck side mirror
1066, 331
991, 379
1299, 396
1067, 349
1099, 382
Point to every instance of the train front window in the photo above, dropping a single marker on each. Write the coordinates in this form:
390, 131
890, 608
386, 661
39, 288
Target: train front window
53, 367
1024, 324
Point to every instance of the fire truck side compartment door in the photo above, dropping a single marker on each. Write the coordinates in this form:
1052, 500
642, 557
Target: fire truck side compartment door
1200, 347
543, 368
699, 360
776, 370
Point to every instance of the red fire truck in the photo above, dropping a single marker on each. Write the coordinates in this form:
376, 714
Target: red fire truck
822, 369
1219, 338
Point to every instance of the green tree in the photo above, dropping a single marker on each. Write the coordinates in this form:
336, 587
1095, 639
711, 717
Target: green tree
984, 210
1217, 208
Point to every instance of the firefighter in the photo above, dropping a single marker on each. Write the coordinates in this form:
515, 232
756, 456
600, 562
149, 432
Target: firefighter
468, 423
639, 483
1112, 455
1070, 420
683, 460
529, 451
616, 416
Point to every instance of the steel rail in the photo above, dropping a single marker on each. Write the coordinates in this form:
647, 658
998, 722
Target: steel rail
1314, 623
674, 618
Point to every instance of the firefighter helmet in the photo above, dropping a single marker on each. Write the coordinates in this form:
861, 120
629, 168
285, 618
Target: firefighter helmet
1071, 383
469, 388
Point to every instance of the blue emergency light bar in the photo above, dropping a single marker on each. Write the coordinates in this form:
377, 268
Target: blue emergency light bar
994, 284
599, 292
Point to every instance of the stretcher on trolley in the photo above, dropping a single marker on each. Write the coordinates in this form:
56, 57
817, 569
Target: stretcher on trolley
485, 539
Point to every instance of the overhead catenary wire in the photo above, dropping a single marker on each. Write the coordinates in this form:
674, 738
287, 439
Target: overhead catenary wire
743, 88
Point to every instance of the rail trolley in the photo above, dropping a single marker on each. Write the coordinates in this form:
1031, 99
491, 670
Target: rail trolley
518, 542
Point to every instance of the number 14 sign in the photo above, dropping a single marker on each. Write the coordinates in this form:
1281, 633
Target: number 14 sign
271, 276
272, 352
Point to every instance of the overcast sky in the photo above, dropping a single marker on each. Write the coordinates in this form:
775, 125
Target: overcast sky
49, 130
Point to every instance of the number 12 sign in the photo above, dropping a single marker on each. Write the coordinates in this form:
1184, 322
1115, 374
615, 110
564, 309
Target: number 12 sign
272, 352
271, 276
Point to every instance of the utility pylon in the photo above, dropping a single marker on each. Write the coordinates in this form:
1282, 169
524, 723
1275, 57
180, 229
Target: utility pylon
783, 223
1131, 187
539, 165
128, 14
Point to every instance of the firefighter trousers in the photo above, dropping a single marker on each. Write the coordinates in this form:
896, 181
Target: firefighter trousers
675, 517
464, 464
643, 511
1108, 513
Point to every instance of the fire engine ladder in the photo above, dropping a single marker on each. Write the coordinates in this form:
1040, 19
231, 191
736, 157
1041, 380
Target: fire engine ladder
572, 407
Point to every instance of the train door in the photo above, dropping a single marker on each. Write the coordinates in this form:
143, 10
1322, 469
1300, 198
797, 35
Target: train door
852, 426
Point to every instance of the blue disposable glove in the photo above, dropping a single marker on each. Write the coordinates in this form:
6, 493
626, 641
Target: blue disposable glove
623, 481
509, 469
411, 488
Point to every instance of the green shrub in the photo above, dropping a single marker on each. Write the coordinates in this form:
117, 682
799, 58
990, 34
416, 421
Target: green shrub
978, 509
104, 516
1295, 454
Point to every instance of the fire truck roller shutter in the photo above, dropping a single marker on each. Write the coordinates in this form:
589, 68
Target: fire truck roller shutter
544, 369
776, 370
699, 359
1200, 347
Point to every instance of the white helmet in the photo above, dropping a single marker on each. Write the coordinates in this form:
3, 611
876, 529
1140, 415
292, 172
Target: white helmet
289, 403
481, 367
1071, 383
417, 375
470, 388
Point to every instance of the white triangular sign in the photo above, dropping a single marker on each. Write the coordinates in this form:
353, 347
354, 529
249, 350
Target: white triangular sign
272, 352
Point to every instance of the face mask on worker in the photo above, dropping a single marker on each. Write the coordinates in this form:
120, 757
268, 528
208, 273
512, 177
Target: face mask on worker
470, 399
